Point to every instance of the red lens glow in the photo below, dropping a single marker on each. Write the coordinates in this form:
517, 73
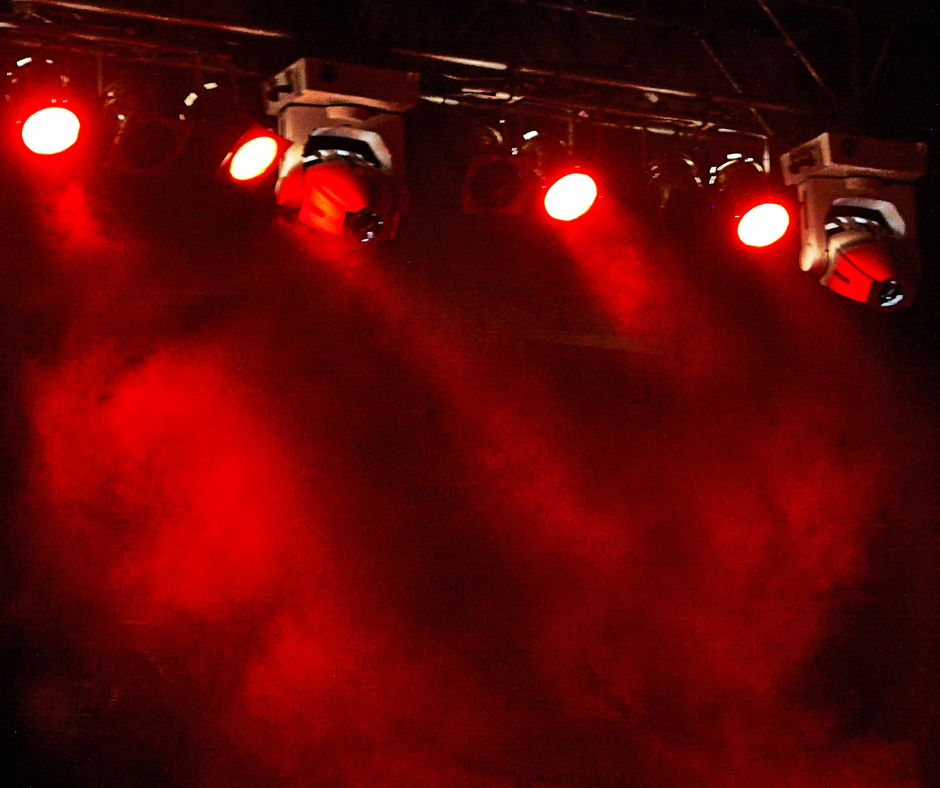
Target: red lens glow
763, 225
571, 196
51, 130
253, 159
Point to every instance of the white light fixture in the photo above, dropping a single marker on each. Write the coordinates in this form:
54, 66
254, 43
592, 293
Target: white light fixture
344, 171
858, 215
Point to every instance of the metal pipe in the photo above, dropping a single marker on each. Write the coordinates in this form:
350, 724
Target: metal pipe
470, 22
146, 52
590, 107
694, 125
460, 61
587, 79
732, 81
882, 54
589, 11
799, 52
158, 18
678, 120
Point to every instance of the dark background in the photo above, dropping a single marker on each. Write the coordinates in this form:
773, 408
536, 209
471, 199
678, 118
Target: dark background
497, 503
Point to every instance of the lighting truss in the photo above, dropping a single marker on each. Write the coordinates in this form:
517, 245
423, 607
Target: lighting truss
725, 73
766, 68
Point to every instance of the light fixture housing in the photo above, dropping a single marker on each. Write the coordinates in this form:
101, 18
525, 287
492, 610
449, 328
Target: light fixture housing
675, 177
499, 174
752, 208
146, 129
46, 116
344, 169
858, 215
340, 197
495, 184
252, 160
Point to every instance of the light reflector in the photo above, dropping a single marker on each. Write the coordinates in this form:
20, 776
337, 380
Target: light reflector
570, 196
763, 225
51, 130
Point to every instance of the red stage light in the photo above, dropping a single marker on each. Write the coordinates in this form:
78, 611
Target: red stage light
254, 158
571, 196
763, 225
51, 130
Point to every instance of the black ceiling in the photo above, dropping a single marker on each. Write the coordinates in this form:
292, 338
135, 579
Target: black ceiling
778, 68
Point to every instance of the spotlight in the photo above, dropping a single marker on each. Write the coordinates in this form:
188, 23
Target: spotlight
497, 178
147, 130
858, 228
253, 159
344, 171
570, 196
224, 134
51, 130
673, 174
341, 197
763, 224
749, 201
567, 191
678, 191
43, 107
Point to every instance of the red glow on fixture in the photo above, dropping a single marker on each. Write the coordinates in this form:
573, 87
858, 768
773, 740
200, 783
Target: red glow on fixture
253, 159
763, 225
330, 191
254, 156
51, 130
570, 196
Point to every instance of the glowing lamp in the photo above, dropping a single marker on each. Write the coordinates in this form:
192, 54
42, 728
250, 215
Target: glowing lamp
51, 130
858, 223
763, 225
570, 196
253, 157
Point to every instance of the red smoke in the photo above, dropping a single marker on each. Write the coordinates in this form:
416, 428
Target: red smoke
367, 550
161, 480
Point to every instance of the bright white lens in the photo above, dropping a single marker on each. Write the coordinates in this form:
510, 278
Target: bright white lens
253, 158
51, 130
763, 225
570, 196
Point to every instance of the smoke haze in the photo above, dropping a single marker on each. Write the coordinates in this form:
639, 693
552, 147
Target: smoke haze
290, 513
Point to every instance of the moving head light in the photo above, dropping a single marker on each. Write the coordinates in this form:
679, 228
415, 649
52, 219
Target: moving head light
344, 171
858, 228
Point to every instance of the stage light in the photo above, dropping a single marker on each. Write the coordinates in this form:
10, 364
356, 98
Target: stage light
763, 224
254, 157
146, 130
570, 196
676, 190
45, 110
343, 198
344, 171
51, 130
858, 215
748, 203
497, 178
674, 174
